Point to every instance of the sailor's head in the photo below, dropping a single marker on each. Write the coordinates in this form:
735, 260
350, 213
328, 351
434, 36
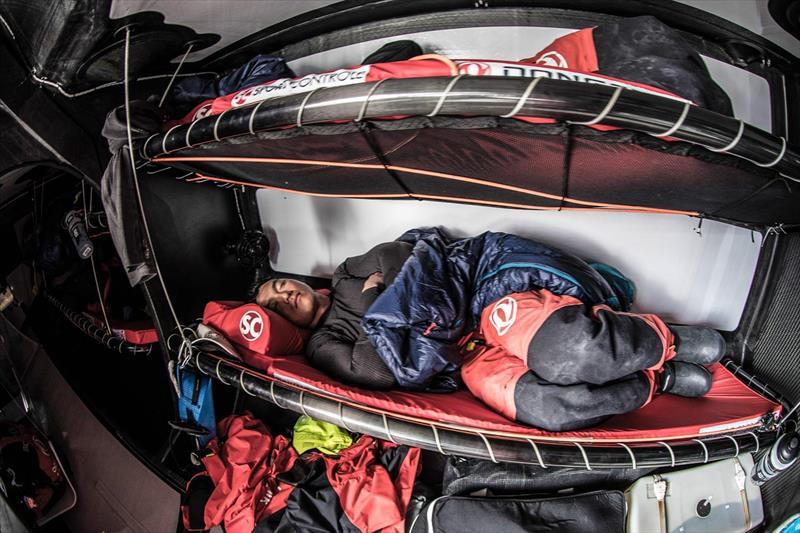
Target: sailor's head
293, 300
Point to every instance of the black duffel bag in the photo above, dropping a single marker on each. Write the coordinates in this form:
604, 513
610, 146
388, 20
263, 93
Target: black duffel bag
576, 513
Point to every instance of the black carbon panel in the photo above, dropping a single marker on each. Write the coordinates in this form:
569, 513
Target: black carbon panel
781, 496
776, 359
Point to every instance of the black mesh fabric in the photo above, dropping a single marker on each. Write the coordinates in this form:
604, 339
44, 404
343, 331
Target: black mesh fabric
775, 360
775, 356
504, 163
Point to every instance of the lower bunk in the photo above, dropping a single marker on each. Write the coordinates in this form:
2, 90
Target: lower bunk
670, 431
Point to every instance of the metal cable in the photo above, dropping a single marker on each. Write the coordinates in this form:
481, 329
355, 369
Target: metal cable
174, 75
91, 261
131, 153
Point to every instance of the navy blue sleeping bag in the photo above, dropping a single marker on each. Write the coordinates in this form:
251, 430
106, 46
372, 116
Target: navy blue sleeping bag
439, 294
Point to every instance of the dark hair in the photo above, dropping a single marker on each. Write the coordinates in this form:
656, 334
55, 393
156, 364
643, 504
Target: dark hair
252, 292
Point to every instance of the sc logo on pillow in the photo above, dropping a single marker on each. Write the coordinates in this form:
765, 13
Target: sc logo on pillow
251, 326
504, 314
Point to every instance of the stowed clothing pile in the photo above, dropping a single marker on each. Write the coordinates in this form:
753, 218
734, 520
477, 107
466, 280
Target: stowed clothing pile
254, 481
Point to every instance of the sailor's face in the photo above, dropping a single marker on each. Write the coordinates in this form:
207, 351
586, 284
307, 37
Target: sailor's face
290, 298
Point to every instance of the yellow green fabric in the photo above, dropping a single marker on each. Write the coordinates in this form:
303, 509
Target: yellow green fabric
327, 438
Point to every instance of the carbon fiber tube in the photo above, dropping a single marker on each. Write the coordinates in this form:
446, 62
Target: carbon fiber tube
561, 100
471, 443
99, 334
756, 384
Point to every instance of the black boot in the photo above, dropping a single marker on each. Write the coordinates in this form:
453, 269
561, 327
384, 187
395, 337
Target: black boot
694, 344
684, 379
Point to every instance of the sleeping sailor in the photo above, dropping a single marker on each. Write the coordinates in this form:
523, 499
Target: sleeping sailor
536, 333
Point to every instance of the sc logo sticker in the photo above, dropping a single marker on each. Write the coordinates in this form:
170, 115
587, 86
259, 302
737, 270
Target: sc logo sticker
503, 315
251, 325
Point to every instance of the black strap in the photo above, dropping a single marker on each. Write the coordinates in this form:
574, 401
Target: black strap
366, 131
750, 195
565, 169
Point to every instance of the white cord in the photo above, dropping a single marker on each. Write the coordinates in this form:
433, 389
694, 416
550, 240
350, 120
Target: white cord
583, 453
533, 443
172, 79
136, 184
239, 208
604, 113
363, 110
705, 450
675, 127
91, 260
671, 453
444, 95
787, 415
630, 452
61, 90
777, 159
733, 142
522, 99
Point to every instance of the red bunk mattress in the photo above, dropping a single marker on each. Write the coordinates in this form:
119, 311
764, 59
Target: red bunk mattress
729, 406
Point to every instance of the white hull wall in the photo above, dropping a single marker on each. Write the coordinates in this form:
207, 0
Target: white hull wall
684, 276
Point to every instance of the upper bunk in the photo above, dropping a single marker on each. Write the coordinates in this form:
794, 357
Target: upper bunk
475, 127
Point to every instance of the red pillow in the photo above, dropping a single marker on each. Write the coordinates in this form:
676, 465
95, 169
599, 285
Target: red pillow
255, 328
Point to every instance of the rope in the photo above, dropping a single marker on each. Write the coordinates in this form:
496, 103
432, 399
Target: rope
91, 261
777, 159
671, 453
675, 127
131, 153
787, 415
735, 443
758, 444
249, 122
731, 144
172, 79
341, 419
241, 384
488, 447
303, 107
604, 113
705, 449
302, 403
583, 453
363, 110
630, 452
385, 425
219, 377
364, 129
443, 96
537, 452
438, 441
522, 99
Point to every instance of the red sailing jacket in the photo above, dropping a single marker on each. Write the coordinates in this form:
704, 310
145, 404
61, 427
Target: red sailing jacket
259, 482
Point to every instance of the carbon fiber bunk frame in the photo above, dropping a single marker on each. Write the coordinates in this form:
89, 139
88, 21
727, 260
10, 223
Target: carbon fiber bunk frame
112, 342
449, 440
569, 101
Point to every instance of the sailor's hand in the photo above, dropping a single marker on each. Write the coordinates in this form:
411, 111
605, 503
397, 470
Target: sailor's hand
374, 280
